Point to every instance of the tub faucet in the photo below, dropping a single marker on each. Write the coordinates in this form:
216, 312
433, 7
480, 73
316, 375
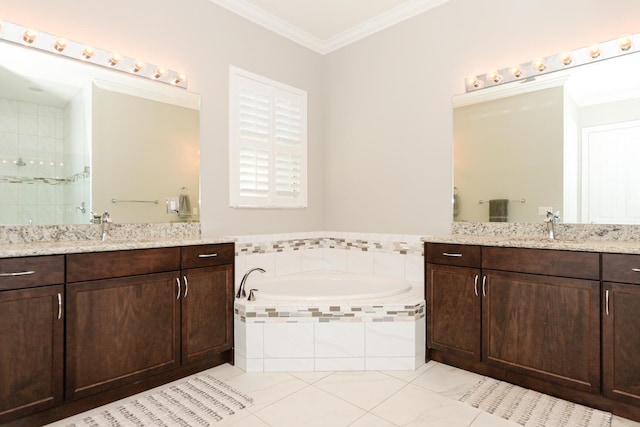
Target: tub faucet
551, 220
241, 292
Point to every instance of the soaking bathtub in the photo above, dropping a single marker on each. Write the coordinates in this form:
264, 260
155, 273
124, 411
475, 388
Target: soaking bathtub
320, 321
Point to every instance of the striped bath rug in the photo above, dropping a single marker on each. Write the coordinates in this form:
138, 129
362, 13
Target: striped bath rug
201, 400
530, 408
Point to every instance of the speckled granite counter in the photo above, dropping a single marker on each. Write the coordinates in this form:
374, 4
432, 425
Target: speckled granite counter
624, 239
67, 247
16, 241
583, 245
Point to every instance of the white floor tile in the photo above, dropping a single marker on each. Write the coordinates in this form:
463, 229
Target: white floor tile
243, 421
411, 375
623, 422
363, 389
310, 407
310, 377
447, 380
266, 388
370, 420
416, 406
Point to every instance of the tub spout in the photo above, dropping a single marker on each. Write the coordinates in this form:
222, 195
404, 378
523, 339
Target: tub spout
241, 292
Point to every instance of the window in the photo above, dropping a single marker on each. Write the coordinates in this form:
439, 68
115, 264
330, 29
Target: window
267, 143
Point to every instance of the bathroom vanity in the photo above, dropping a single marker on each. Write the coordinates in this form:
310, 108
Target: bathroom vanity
532, 316
81, 329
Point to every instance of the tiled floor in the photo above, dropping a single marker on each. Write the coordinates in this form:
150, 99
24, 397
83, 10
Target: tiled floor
425, 397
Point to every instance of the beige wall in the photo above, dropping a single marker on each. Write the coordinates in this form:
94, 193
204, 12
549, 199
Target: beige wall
380, 115
388, 121
202, 40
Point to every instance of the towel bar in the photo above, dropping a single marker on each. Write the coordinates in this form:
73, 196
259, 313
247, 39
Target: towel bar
516, 200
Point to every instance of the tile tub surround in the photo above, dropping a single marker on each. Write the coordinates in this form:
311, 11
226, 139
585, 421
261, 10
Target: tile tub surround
388, 255
272, 337
363, 335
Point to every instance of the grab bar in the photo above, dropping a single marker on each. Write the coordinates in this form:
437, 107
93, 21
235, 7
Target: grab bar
155, 202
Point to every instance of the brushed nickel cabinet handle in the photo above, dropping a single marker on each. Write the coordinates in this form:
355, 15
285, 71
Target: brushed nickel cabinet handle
475, 285
637, 270
178, 283
59, 306
606, 301
207, 255
451, 255
484, 286
186, 286
20, 273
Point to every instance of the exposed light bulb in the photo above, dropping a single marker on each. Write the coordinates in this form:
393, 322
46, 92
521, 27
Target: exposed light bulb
159, 73
60, 45
594, 51
516, 71
179, 78
114, 59
88, 52
474, 82
539, 65
565, 58
29, 36
625, 44
494, 76
137, 66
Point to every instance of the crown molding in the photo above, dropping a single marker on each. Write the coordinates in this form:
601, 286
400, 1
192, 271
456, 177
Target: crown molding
367, 28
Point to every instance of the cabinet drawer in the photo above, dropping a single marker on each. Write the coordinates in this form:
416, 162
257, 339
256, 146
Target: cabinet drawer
27, 272
453, 254
581, 265
621, 268
207, 255
104, 265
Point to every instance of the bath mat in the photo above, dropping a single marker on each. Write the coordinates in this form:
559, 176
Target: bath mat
530, 408
200, 401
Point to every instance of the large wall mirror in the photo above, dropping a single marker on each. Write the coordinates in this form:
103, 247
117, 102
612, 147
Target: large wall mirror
76, 138
567, 142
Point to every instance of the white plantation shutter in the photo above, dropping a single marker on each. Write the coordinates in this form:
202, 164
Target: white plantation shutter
268, 142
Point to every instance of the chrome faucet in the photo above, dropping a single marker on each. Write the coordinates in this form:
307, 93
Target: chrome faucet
551, 220
241, 292
105, 221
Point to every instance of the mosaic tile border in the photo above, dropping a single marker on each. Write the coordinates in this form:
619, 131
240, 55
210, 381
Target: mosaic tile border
309, 243
331, 313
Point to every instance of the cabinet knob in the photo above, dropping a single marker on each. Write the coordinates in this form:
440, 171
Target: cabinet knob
207, 255
451, 255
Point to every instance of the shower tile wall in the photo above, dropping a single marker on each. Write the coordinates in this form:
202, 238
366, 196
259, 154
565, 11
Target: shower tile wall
32, 145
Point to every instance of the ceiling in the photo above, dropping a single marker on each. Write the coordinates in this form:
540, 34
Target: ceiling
327, 25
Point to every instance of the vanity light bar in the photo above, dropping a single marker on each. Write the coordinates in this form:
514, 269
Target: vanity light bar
561, 61
112, 60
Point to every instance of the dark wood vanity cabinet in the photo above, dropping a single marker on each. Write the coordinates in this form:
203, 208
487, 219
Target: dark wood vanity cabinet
31, 335
620, 331
207, 301
525, 311
453, 299
123, 318
122, 321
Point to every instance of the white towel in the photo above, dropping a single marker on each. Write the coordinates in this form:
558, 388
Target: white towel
184, 206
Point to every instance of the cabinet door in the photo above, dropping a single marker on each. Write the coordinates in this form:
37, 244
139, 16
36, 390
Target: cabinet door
207, 312
543, 326
120, 331
453, 307
31, 350
621, 342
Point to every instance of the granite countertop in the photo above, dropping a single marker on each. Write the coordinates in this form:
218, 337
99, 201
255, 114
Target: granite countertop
566, 244
9, 250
